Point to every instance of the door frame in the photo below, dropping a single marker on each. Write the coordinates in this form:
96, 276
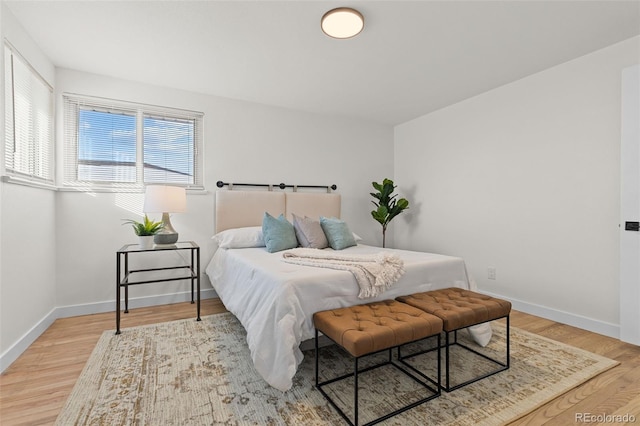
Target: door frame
630, 206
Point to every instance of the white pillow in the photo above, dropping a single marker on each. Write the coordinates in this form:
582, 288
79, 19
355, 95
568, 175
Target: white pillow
251, 236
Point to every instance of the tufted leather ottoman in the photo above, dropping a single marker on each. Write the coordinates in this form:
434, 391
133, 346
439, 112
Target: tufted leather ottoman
459, 308
370, 328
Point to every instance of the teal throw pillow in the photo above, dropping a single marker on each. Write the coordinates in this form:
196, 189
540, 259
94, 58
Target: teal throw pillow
278, 233
338, 233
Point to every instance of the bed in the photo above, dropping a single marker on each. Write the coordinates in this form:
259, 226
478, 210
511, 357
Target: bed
275, 301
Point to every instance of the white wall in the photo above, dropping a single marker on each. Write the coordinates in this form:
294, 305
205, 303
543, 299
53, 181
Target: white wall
27, 230
2, 130
244, 142
525, 179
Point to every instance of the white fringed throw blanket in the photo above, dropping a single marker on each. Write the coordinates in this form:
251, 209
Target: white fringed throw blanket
374, 273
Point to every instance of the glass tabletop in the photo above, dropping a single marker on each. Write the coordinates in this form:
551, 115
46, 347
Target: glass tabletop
180, 245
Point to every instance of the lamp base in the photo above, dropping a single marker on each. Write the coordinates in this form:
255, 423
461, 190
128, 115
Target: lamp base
167, 235
164, 238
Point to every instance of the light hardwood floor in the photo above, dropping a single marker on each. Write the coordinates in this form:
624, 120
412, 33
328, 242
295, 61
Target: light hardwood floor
35, 387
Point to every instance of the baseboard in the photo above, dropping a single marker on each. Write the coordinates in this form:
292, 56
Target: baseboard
134, 302
11, 354
579, 321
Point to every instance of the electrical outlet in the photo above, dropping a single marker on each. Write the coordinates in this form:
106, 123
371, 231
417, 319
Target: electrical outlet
491, 273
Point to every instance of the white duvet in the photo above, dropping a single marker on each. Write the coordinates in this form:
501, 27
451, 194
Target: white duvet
275, 301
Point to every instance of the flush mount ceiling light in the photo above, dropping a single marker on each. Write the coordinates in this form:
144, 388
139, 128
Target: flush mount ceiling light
342, 22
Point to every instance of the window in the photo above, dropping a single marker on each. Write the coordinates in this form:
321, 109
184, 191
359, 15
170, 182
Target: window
106, 146
29, 146
168, 149
123, 145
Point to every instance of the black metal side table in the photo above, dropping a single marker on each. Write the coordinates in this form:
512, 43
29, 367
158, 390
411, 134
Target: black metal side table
124, 276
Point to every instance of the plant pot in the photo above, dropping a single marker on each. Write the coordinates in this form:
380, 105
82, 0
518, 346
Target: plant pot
145, 242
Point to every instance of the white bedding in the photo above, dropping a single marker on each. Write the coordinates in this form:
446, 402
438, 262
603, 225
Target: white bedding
275, 301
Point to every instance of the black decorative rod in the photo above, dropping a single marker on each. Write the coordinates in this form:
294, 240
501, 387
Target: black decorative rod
220, 184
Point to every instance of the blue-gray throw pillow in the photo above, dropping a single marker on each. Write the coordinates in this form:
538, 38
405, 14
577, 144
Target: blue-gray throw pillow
278, 233
309, 232
337, 232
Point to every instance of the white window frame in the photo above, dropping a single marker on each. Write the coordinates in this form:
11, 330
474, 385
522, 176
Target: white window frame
40, 139
72, 105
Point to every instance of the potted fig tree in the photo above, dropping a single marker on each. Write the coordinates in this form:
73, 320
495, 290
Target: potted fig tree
387, 205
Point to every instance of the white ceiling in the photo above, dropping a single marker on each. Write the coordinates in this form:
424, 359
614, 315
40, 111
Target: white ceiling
413, 57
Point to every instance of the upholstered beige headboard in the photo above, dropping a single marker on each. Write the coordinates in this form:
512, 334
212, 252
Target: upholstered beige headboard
313, 205
237, 209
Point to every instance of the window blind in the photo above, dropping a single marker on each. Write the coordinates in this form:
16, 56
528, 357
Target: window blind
122, 145
169, 150
29, 147
106, 146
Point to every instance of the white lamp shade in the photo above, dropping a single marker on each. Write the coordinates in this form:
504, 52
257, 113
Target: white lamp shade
165, 199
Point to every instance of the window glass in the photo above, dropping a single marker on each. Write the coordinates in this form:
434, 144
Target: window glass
106, 146
168, 150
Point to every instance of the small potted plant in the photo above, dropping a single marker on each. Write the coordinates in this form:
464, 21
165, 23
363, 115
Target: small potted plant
145, 230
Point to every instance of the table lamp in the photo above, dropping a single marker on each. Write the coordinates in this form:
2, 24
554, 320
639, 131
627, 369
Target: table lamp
165, 199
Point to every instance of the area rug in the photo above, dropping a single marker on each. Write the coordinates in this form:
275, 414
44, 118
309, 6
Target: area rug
200, 373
